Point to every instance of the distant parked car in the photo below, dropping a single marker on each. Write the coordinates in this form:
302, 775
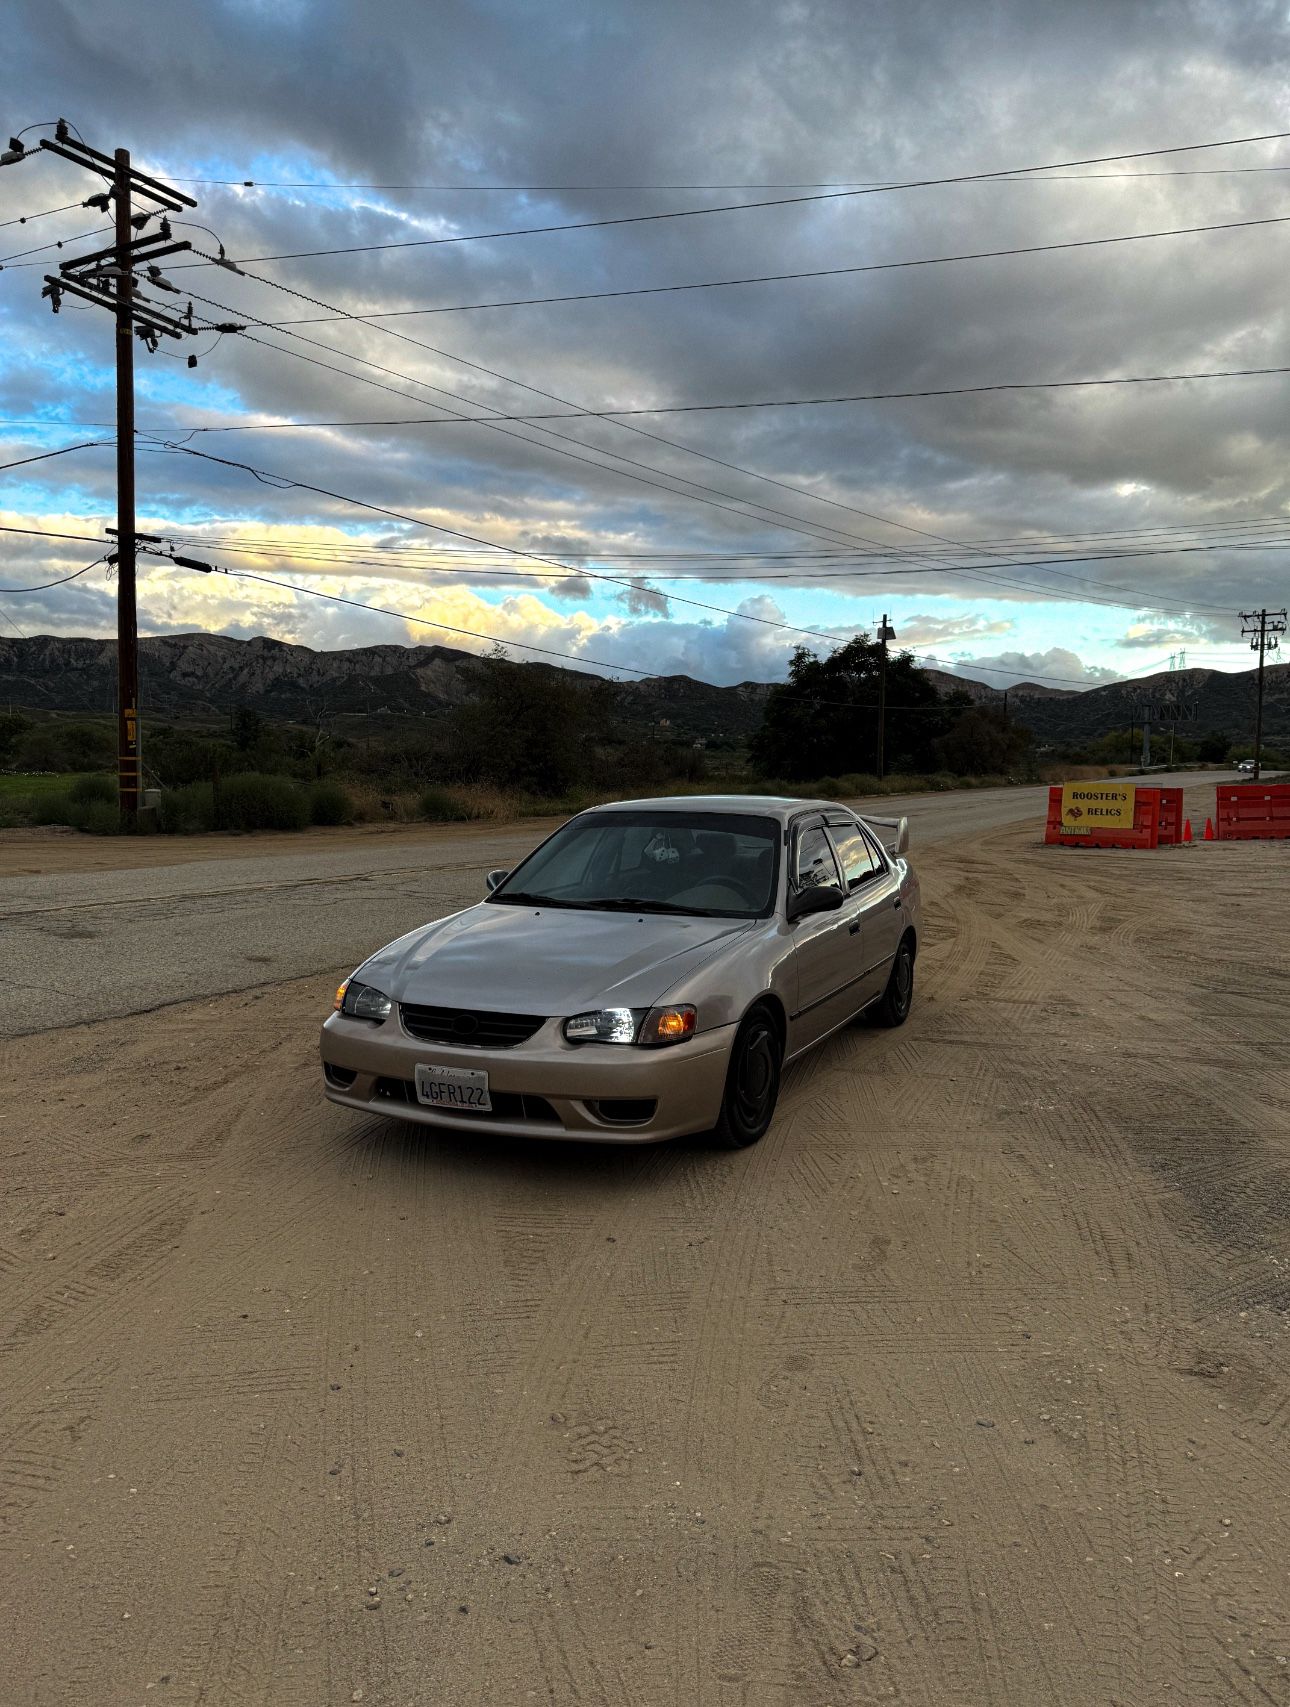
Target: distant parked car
1246, 766
645, 973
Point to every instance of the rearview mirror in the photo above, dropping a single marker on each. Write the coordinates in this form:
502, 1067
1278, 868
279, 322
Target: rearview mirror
824, 898
495, 877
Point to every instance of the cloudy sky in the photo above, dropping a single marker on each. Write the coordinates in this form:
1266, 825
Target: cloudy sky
1072, 535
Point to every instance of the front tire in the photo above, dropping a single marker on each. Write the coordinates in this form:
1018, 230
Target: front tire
752, 1082
893, 1006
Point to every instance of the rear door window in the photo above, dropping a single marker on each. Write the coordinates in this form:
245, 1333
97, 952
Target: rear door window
856, 853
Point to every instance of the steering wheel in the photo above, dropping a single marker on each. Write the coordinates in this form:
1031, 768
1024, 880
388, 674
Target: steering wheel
740, 890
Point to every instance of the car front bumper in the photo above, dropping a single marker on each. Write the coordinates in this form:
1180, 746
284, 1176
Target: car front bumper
544, 1088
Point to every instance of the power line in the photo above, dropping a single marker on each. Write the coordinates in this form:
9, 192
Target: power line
44, 533
591, 575
976, 175
323, 558
1140, 603
424, 622
1054, 540
266, 477
779, 201
403, 616
493, 422
315, 592
18, 631
45, 455
625, 425
781, 278
325, 187
707, 561
754, 403
60, 243
632, 586
704, 563
629, 426
61, 582
26, 218
497, 416
796, 524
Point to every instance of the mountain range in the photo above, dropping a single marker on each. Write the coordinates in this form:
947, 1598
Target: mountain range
202, 677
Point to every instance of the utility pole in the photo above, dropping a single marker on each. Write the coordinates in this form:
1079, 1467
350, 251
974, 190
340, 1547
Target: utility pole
129, 778
1264, 626
885, 633
106, 278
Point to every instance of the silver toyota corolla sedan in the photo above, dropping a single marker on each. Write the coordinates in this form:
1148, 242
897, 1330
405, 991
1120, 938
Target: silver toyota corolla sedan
646, 972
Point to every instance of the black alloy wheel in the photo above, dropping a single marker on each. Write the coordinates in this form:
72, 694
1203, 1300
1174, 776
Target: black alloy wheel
897, 999
752, 1082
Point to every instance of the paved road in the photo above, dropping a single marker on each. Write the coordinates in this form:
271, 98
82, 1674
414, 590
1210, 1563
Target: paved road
97, 944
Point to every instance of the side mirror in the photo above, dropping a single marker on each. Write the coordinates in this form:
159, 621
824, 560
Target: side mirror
826, 898
493, 878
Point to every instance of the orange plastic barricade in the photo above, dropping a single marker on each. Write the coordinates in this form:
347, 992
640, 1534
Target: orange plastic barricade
1170, 818
1253, 811
1157, 822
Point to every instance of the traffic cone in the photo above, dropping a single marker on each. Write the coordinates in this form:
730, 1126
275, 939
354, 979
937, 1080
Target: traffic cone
1209, 829
1186, 829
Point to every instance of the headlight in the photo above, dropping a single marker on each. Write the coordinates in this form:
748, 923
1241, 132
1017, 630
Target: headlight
648, 1027
361, 1001
606, 1025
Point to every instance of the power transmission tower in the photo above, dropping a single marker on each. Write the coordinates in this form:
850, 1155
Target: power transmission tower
1264, 626
107, 279
885, 633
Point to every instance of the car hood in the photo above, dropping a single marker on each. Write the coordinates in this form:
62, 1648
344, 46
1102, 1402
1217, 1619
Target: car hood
550, 961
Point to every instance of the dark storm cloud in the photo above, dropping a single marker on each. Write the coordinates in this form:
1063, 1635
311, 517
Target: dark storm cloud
725, 93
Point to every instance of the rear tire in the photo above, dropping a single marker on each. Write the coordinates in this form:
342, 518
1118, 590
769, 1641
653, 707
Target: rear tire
752, 1082
892, 1007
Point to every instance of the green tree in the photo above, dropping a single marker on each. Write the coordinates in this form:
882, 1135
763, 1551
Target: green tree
824, 720
59, 746
528, 728
247, 727
981, 742
12, 725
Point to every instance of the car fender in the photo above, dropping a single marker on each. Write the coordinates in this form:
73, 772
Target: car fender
756, 963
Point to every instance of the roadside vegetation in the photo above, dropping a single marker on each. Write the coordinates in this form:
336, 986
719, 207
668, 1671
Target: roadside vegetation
537, 743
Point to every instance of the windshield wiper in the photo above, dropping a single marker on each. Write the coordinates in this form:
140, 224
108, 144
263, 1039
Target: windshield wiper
522, 898
635, 904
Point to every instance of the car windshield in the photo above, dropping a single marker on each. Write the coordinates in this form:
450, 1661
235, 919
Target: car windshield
709, 864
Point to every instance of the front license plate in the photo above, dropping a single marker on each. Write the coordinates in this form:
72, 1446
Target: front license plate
453, 1087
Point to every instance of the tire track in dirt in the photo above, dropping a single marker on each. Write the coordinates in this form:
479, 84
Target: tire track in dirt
954, 1365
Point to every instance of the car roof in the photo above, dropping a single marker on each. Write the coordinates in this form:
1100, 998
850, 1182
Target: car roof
778, 806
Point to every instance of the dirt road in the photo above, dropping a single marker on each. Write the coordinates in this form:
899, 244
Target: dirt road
96, 926
970, 1384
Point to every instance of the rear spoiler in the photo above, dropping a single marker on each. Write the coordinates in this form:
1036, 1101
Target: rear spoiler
894, 844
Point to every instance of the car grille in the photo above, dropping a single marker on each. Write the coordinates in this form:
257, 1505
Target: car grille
507, 1105
468, 1027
